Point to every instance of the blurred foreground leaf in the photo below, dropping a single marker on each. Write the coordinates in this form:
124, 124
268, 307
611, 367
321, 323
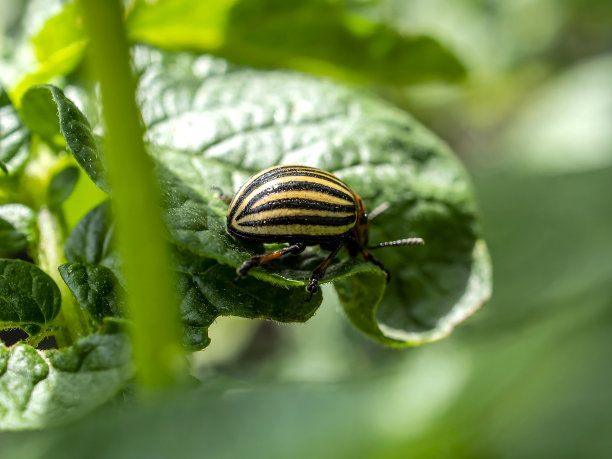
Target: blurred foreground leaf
43, 389
59, 44
317, 36
461, 399
571, 115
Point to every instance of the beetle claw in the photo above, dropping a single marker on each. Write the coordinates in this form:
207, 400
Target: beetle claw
311, 288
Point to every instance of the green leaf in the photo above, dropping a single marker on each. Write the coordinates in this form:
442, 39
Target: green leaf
90, 242
17, 228
29, 299
59, 42
205, 288
43, 389
571, 114
96, 288
59, 32
207, 291
14, 137
50, 114
94, 275
226, 123
317, 36
61, 185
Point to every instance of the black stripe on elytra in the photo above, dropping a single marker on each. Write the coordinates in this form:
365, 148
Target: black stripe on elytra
275, 173
296, 203
309, 169
309, 239
314, 220
315, 174
295, 186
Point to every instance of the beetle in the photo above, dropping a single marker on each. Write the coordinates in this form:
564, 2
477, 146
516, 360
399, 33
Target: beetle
303, 206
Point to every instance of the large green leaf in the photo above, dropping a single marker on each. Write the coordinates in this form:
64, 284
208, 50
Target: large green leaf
29, 298
318, 36
14, 137
215, 124
41, 389
211, 123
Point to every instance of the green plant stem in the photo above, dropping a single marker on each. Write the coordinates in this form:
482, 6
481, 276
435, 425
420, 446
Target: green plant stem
36, 340
140, 234
72, 321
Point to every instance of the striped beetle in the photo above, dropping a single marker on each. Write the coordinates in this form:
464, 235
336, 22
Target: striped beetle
303, 206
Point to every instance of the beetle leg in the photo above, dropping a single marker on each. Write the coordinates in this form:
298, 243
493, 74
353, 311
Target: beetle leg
369, 257
320, 271
221, 195
266, 257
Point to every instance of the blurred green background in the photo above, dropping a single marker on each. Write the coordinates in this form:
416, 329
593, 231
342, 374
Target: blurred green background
529, 375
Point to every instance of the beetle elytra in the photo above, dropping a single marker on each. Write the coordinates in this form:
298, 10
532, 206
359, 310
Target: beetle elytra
303, 206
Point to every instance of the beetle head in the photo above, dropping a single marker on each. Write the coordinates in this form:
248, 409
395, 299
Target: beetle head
362, 226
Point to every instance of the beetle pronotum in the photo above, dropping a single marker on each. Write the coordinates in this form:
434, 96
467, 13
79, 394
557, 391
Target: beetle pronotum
303, 206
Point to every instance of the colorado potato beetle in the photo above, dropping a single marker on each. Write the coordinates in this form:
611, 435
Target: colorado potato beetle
303, 206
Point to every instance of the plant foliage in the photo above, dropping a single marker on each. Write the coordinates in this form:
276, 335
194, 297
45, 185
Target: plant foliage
210, 124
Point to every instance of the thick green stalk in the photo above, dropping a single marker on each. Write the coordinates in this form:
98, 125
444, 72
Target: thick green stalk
152, 302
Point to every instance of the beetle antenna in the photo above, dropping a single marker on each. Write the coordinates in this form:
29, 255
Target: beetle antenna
379, 210
409, 241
